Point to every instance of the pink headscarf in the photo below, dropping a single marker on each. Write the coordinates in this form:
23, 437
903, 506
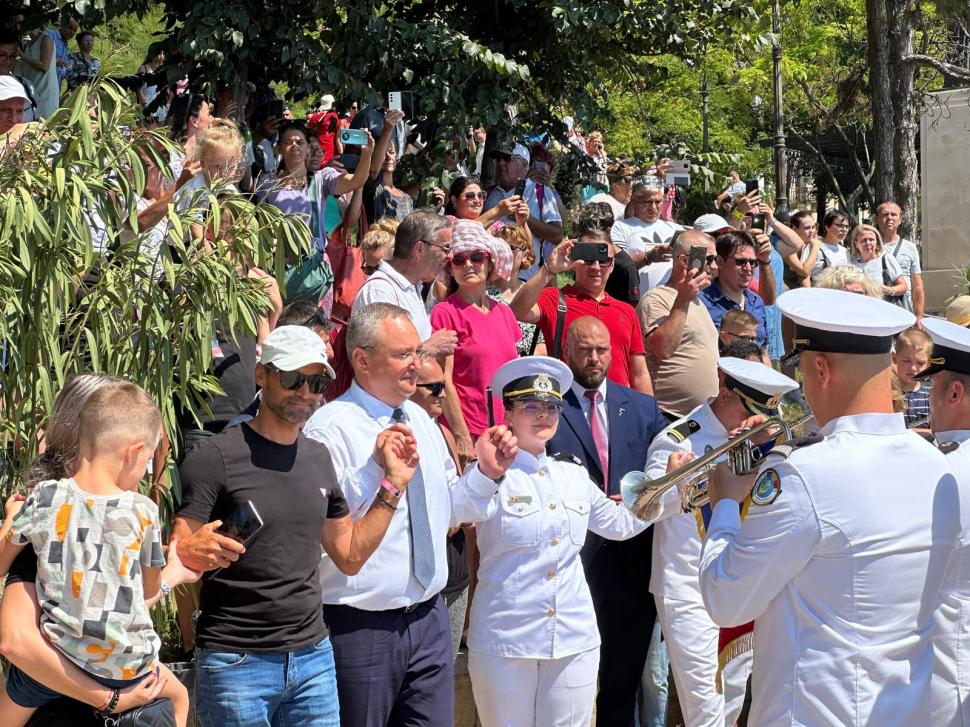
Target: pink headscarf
469, 236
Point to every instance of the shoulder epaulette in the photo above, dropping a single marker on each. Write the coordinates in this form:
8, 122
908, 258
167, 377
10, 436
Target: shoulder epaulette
785, 450
683, 430
566, 457
948, 447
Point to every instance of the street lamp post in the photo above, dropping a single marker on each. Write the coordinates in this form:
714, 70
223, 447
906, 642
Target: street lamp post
781, 157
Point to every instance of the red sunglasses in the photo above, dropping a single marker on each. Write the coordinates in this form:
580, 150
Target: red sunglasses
477, 258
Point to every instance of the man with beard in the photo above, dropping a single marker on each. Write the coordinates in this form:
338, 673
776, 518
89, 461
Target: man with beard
263, 650
609, 428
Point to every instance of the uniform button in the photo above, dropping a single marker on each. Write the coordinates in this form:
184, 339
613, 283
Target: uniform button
521, 508
554, 541
542, 473
551, 574
551, 612
552, 506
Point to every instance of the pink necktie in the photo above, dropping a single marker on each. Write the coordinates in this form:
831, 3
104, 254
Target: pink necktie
598, 427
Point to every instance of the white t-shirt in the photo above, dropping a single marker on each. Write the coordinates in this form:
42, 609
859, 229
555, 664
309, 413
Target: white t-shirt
829, 256
619, 209
635, 235
873, 269
907, 255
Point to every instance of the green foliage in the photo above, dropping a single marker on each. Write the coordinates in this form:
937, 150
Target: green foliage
128, 311
122, 43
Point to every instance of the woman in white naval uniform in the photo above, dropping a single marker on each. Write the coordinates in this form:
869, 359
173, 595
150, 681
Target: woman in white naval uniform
533, 642
949, 370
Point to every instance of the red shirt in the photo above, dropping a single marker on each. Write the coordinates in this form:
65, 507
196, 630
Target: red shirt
619, 318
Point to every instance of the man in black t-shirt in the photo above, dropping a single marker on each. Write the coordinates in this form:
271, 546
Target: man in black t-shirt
263, 653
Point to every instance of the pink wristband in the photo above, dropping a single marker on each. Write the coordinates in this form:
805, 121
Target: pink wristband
390, 488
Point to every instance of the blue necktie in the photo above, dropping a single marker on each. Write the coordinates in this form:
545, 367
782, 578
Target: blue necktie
422, 546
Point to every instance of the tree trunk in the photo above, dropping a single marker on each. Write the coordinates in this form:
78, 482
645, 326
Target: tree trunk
881, 96
903, 74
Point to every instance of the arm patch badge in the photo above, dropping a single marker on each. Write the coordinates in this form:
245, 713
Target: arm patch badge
766, 488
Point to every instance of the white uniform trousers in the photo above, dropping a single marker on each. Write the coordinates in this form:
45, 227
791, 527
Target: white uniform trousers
514, 692
734, 677
691, 639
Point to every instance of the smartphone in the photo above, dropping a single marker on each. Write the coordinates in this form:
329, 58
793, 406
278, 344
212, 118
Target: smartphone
401, 101
353, 137
697, 258
758, 222
276, 109
350, 161
592, 252
752, 185
243, 524
519, 190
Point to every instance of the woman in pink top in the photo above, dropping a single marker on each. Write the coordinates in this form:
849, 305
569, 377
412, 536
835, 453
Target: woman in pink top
487, 330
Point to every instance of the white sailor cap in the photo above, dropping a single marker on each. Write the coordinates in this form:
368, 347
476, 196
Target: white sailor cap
759, 387
532, 378
951, 347
836, 321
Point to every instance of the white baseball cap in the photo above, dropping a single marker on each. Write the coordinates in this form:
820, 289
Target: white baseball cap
289, 348
712, 224
10, 88
326, 102
517, 150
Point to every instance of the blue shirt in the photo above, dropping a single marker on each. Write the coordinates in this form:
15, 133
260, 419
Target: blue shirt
61, 51
776, 344
718, 304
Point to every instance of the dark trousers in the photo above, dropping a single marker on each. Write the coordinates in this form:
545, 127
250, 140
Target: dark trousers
393, 668
625, 622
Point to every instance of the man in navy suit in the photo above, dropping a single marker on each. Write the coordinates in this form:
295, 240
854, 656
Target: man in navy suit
610, 428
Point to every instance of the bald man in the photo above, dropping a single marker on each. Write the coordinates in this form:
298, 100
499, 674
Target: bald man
610, 427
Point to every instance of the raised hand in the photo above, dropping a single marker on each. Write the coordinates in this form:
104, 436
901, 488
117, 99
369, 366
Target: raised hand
396, 451
496, 449
559, 260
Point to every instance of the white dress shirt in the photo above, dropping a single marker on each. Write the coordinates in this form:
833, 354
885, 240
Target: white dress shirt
349, 427
387, 285
676, 540
951, 637
532, 600
548, 211
580, 394
843, 572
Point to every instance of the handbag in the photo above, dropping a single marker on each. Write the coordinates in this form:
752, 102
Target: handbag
159, 713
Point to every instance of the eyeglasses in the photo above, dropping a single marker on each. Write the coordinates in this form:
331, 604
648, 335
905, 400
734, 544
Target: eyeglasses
10, 56
405, 357
535, 408
471, 196
446, 248
294, 381
841, 226
476, 258
745, 261
434, 387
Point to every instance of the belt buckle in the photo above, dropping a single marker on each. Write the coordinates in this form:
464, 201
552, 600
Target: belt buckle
411, 608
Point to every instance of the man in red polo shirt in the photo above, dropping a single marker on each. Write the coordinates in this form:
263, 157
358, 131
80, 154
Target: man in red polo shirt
536, 303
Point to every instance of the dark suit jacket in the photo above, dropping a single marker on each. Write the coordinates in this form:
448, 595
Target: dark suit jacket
633, 419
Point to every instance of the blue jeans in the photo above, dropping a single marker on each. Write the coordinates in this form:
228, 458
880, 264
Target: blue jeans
653, 711
257, 689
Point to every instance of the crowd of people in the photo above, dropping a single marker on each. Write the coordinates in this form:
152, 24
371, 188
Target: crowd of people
428, 443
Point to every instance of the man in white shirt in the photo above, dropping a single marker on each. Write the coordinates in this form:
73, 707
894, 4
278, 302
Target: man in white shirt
545, 222
842, 554
389, 625
645, 236
421, 246
888, 216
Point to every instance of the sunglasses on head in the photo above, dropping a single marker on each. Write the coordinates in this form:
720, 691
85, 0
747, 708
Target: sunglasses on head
294, 380
434, 387
470, 196
477, 258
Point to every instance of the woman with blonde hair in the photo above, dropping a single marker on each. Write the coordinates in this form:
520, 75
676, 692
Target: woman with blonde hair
523, 256
866, 253
848, 278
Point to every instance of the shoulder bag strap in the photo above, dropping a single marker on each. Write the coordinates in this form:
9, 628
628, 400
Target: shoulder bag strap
560, 322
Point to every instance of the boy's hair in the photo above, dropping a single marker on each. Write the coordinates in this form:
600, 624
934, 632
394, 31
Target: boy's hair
915, 340
378, 239
118, 413
739, 317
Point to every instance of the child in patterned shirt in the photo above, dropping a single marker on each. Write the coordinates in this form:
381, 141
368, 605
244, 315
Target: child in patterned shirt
99, 556
912, 355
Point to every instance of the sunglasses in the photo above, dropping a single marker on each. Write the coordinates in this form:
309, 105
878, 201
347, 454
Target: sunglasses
745, 262
471, 196
434, 387
602, 263
476, 258
294, 381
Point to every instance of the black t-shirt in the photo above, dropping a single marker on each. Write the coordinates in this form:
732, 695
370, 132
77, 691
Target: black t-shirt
624, 282
270, 599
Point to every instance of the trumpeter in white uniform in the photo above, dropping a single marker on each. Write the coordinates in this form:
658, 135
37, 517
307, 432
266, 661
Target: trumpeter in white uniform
533, 642
746, 389
842, 554
949, 370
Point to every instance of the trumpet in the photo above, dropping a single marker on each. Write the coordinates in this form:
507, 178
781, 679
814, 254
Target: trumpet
643, 495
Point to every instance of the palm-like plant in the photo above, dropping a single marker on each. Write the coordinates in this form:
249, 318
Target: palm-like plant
81, 291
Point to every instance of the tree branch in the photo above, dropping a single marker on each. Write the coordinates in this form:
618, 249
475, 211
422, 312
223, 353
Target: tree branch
947, 69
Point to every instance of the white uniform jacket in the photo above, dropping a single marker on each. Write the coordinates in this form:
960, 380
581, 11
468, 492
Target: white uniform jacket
676, 541
951, 638
843, 571
532, 600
